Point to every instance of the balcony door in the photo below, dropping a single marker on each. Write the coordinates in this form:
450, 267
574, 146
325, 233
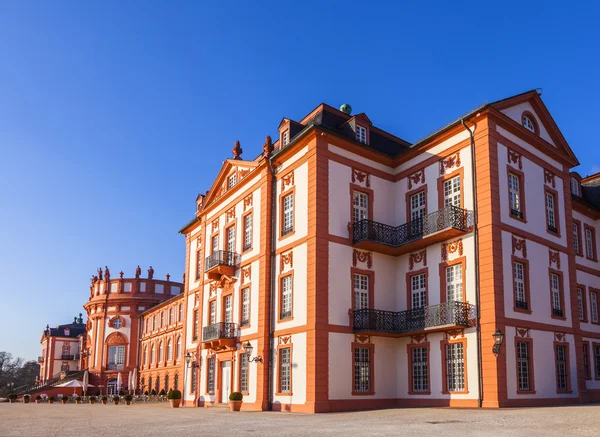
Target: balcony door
417, 213
361, 291
225, 380
116, 357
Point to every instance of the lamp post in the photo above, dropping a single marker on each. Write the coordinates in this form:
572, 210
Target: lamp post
498, 339
188, 363
248, 349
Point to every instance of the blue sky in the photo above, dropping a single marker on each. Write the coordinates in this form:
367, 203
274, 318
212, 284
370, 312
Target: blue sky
115, 115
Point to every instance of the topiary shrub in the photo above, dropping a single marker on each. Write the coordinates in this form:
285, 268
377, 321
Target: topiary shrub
174, 395
129, 398
162, 392
153, 392
121, 393
92, 398
26, 397
104, 398
12, 396
236, 396
78, 398
146, 393
38, 398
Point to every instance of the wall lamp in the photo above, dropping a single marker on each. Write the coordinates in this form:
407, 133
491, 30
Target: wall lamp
188, 361
498, 339
248, 349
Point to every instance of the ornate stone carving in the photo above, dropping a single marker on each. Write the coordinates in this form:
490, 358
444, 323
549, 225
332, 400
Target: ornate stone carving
237, 151
230, 214
449, 162
246, 274
268, 147
514, 158
243, 172
451, 335
287, 180
519, 244
150, 273
554, 257
415, 339
361, 176
416, 178
523, 332
365, 339
215, 225
363, 257
549, 178
452, 247
559, 336
284, 339
213, 287
247, 201
416, 258
286, 258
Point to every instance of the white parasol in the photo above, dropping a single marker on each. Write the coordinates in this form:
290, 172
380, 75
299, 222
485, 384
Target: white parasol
86, 377
129, 381
134, 379
119, 382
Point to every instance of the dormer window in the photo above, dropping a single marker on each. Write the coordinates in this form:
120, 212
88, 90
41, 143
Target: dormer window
285, 138
231, 181
575, 187
529, 122
67, 332
361, 134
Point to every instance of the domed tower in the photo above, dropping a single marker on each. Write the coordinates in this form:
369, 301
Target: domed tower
113, 326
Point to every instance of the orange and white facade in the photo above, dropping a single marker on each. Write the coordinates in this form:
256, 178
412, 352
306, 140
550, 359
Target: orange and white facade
365, 271
61, 351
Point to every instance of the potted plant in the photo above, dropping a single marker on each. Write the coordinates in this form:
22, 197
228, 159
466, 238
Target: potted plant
38, 399
116, 400
64, 399
162, 393
51, 399
12, 398
26, 399
153, 392
104, 399
128, 399
174, 398
98, 393
121, 393
235, 401
92, 400
146, 393
78, 400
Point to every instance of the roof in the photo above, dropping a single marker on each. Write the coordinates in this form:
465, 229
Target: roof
590, 190
75, 329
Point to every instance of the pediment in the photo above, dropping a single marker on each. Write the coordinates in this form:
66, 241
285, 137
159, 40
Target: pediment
231, 166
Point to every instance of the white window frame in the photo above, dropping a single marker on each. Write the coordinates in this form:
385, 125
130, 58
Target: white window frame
245, 307
551, 210
360, 206
215, 243
418, 288
288, 214
455, 367
361, 291
420, 370
594, 306
213, 311
231, 239
179, 345
589, 243
454, 283
580, 308
519, 281
285, 370
228, 309
231, 181
361, 134
528, 123
286, 296
575, 187
555, 289
576, 238
514, 189
417, 205
362, 370
452, 191
247, 231
169, 350
285, 137
523, 366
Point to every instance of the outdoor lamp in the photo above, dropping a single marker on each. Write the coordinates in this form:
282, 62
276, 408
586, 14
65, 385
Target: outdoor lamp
248, 349
498, 338
188, 360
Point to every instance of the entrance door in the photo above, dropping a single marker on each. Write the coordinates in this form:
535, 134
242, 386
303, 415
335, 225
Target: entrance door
225, 381
111, 388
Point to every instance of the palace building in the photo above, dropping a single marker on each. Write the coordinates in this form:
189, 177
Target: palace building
344, 268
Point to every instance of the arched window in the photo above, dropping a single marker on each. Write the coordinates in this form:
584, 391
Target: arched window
149, 384
529, 122
176, 382
179, 347
160, 352
158, 384
143, 382
167, 383
152, 355
180, 312
575, 187
169, 350
145, 355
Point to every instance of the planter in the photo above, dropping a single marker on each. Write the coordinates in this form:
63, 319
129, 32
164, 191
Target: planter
64, 401
116, 402
104, 402
37, 401
25, 400
127, 402
175, 403
12, 401
235, 405
92, 402
77, 402
51, 401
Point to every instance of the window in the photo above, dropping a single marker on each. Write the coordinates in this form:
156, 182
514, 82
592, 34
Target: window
360, 206
198, 263
519, 286
181, 312
528, 123
361, 134
153, 323
286, 297
523, 366
285, 137
215, 243
454, 291
162, 319
117, 323
176, 382
231, 239
245, 307
152, 356
594, 306
362, 370
285, 370
452, 191
576, 239
247, 232
158, 384
288, 214
213, 312
160, 352
420, 371
178, 352
361, 291
150, 383
167, 383
561, 368
228, 308
169, 350
597, 360
244, 373
555, 292
455, 367
514, 194
147, 325
145, 355
210, 380
417, 205
231, 181
170, 316
580, 304
590, 245
574, 187
551, 219
194, 378
586, 360
195, 336
418, 287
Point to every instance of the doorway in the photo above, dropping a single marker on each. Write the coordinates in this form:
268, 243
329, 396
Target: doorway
111, 388
225, 381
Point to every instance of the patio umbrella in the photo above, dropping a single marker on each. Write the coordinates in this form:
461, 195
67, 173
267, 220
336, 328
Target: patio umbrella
129, 381
74, 383
86, 377
134, 380
119, 382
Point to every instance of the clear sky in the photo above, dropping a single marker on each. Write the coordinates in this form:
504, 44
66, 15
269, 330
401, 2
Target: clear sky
114, 115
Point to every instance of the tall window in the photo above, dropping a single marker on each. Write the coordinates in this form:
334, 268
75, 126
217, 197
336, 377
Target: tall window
519, 285
574, 187
228, 308
580, 304
169, 350
523, 366
594, 306
285, 137
198, 263
210, 380
152, 356
361, 134
417, 205
586, 360
153, 323
589, 243
455, 367
178, 352
362, 370
170, 315
555, 290
145, 355
514, 192
150, 387
361, 291
418, 287
576, 246
162, 319
231, 181
213, 312
160, 352
288, 214
561, 368
181, 312
454, 283
247, 232
215, 243
167, 383
551, 212
597, 360
116, 357
194, 378
420, 371
285, 370
360, 206
452, 191
147, 325
244, 373
231, 239
245, 307
176, 382
195, 336
286, 297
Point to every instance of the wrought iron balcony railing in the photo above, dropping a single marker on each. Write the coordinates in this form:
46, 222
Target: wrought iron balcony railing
113, 366
222, 258
449, 217
521, 304
220, 330
451, 313
67, 357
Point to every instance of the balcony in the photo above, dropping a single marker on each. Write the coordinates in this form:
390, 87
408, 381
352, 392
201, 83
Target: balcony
220, 336
441, 225
441, 317
114, 366
221, 262
67, 357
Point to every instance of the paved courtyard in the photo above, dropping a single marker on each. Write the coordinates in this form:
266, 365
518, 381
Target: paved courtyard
159, 420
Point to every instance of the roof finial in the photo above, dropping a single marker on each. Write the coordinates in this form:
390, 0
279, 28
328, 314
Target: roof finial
237, 151
268, 147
